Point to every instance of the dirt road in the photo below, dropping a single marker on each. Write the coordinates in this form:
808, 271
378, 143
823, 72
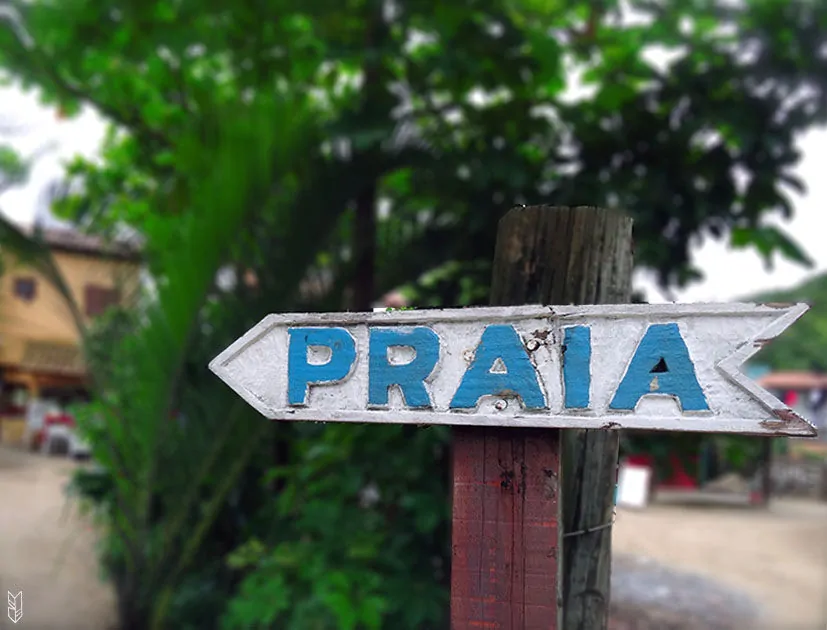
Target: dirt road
47, 549
779, 556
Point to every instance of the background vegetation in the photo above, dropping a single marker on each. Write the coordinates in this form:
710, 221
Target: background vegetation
325, 153
803, 347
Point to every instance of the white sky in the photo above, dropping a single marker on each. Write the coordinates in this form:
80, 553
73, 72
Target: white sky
729, 274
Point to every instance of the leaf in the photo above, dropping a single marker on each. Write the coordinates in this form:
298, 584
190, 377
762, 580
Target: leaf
13, 169
769, 240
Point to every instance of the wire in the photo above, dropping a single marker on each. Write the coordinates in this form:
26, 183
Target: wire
589, 530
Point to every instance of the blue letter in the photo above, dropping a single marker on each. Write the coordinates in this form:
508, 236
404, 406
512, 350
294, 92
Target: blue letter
577, 356
661, 365
518, 378
409, 376
300, 373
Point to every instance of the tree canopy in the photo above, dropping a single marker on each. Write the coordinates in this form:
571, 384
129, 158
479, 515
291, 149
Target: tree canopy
804, 346
449, 114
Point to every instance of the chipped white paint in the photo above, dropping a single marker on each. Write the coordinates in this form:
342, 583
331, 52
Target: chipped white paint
719, 339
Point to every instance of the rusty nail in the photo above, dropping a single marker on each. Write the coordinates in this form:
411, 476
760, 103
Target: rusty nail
532, 345
500, 405
468, 355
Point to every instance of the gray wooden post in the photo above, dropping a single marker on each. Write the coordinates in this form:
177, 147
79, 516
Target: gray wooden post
593, 263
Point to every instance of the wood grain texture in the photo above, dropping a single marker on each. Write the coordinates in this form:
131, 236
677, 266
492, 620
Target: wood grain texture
506, 569
597, 257
505, 566
563, 256
567, 256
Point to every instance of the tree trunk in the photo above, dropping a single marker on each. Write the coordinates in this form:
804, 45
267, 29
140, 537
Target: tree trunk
364, 246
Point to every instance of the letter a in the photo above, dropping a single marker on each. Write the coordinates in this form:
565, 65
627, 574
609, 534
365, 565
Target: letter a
499, 345
661, 365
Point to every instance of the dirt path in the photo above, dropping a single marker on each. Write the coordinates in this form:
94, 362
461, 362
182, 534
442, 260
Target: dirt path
777, 556
47, 549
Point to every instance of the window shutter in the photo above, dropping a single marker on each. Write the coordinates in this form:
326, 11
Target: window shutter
109, 297
98, 299
25, 288
91, 300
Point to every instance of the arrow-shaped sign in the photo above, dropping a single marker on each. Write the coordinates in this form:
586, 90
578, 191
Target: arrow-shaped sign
671, 367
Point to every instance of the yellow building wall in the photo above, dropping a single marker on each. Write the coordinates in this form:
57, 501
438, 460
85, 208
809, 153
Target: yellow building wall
47, 318
13, 431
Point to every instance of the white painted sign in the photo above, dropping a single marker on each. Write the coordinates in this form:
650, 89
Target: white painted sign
659, 367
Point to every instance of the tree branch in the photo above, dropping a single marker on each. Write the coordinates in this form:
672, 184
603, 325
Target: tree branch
10, 12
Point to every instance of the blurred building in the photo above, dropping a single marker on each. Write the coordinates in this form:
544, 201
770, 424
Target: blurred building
41, 362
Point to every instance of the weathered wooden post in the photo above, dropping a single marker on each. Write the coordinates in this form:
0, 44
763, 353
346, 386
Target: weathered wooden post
510, 377
544, 255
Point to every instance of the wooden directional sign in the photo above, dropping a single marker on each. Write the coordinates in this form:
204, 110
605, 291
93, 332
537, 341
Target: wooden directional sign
658, 367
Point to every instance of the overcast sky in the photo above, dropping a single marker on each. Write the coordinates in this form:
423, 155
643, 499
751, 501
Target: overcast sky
729, 274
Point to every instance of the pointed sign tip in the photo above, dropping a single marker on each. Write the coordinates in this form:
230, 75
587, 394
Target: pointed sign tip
791, 424
214, 366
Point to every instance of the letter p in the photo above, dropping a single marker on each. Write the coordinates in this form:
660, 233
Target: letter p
301, 373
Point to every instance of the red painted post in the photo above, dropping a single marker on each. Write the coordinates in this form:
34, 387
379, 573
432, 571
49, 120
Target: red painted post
506, 520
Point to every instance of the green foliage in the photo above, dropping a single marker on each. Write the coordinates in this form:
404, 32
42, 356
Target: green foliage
802, 347
148, 475
362, 537
13, 169
106, 332
646, 138
768, 240
664, 448
741, 453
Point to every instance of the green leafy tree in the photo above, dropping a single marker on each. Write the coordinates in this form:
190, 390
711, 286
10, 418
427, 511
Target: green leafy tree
452, 113
148, 475
13, 170
804, 346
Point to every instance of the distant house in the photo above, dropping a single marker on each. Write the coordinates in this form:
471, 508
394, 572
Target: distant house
40, 353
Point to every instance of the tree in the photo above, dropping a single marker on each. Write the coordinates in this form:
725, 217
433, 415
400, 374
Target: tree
13, 170
460, 135
440, 115
802, 347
